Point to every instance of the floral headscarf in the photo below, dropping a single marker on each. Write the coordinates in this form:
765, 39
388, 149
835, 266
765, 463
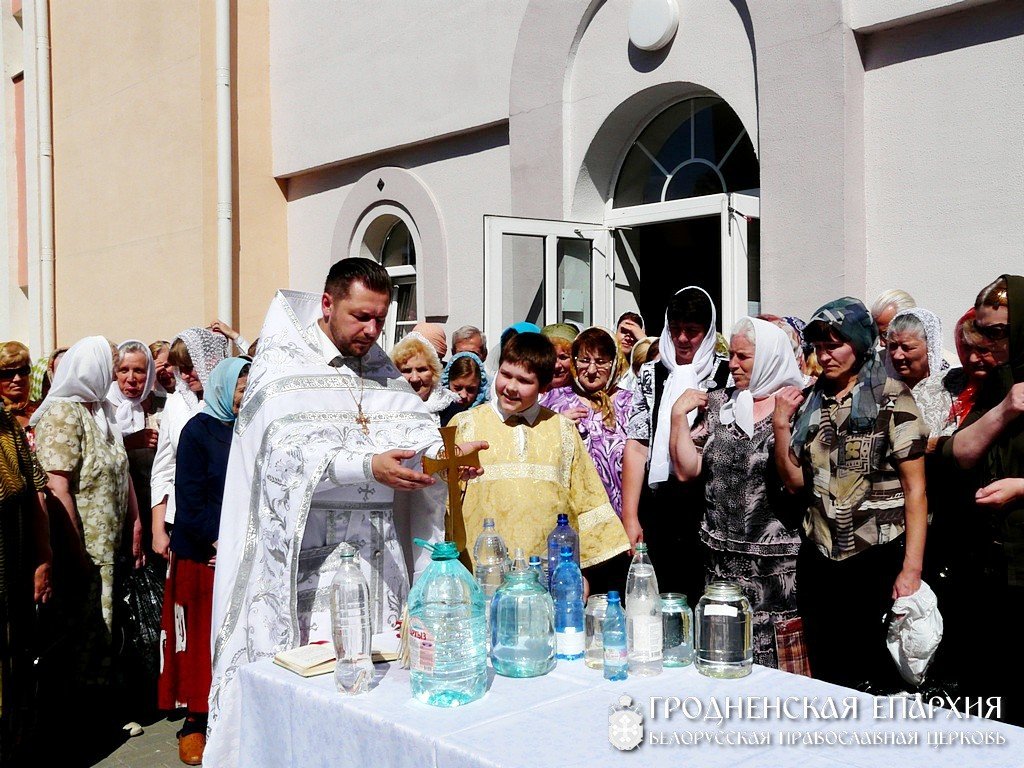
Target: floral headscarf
206, 349
932, 336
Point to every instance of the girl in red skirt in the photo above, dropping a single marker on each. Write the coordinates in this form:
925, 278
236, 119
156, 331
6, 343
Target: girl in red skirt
202, 461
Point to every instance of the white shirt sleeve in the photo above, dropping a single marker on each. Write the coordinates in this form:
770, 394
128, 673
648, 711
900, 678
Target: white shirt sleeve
176, 415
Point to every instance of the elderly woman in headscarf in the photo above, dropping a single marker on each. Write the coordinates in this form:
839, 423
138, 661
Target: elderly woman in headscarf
594, 402
914, 353
990, 446
203, 448
856, 453
656, 507
417, 361
79, 444
745, 538
25, 565
194, 354
561, 335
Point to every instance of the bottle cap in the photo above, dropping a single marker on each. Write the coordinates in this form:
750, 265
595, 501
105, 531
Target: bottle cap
347, 550
488, 522
641, 547
563, 519
442, 550
613, 596
566, 551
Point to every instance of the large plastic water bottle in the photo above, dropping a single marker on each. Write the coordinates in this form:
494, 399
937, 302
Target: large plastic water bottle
561, 534
350, 625
447, 631
567, 591
490, 558
616, 658
522, 626
643, 616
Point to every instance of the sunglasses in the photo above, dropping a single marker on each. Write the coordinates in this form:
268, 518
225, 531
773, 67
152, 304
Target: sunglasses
994, 332
6, 374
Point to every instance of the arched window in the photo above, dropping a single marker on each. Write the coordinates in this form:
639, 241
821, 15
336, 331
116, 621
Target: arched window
387, 235
696, 147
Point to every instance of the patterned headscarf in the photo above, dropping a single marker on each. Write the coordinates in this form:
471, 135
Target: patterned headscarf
206, 349
592, 337
932, 336
850, 320
481, 396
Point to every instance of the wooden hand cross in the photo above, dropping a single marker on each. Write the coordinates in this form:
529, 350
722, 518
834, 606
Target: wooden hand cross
447, 465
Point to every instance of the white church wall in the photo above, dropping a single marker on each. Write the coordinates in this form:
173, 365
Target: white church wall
467, 177
944, 157
351, 79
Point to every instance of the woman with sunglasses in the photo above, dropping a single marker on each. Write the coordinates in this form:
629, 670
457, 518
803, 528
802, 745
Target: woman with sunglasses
15, 370
594, 402
990, 445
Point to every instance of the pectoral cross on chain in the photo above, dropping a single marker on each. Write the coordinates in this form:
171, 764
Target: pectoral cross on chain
447, 464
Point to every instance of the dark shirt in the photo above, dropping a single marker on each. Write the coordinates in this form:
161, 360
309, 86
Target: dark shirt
202, 463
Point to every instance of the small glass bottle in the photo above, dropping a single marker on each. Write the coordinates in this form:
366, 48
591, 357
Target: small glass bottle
724, 632
676, 630
593, 654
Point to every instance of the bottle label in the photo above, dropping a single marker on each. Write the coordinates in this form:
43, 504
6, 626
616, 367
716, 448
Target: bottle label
645, 636
714, 609
421, 646
569, 642
615, 656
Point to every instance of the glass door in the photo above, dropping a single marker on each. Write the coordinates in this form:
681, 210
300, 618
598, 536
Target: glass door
545, 272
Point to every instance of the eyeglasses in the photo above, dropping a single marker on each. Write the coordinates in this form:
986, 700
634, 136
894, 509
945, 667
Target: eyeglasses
583, 363
994, 332
6, 374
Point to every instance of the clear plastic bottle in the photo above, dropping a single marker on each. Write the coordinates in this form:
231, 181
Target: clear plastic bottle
567, 591
490, 558
562, 533
350, 625
616, 658
594, 619
447, 631
643, 616
522, 627
537, 567
519, 564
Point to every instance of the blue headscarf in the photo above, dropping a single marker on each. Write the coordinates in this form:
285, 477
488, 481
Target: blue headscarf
219, 393
516, 328
481, 396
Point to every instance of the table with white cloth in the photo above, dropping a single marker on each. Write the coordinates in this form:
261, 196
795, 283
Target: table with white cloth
562, 719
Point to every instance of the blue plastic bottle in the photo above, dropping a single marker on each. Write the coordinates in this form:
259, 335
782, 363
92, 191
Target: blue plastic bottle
616, 656
447, 631
561, 534
567, 591
538, 568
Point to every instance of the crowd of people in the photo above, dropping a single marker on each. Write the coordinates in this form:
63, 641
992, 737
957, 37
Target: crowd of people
826, 466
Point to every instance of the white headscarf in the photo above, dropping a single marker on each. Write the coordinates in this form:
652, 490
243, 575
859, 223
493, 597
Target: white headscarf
84, 376
680, 378
206, 349
932, 337
128, 411
774, 367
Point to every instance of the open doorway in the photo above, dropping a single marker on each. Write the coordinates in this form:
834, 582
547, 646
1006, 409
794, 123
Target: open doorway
656, 260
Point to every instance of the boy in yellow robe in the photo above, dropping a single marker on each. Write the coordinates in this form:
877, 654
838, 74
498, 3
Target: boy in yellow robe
536, 466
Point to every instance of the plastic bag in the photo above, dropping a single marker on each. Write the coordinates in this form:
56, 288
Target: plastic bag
914, 633
141, 604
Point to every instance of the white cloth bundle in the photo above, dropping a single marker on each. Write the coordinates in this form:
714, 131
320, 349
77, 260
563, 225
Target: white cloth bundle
915, 633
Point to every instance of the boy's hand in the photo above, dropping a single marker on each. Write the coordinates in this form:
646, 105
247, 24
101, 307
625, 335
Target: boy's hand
468, 473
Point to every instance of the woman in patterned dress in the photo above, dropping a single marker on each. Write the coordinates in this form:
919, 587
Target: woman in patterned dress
594, 402
745, 539
79, 445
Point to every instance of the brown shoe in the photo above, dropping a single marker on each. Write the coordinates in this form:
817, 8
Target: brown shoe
190, 748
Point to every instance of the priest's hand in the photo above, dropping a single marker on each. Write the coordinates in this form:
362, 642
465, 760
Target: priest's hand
468, 473
389, 470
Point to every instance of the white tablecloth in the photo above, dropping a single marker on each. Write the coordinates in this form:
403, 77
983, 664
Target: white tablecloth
561, 719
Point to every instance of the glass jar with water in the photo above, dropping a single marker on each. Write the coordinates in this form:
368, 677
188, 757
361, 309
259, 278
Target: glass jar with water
594, 626
522, 627
724, 632
676, 630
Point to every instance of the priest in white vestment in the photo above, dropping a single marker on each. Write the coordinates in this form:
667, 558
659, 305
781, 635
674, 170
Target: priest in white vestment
328, 429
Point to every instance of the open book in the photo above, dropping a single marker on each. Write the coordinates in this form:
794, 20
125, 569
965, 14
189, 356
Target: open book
317, 658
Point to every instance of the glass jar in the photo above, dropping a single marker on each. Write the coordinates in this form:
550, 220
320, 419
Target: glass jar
724, 632
676, 630
594, 627
522, 627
